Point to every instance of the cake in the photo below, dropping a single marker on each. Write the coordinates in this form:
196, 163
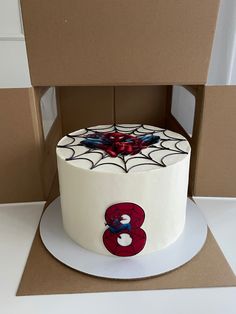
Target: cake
123, 187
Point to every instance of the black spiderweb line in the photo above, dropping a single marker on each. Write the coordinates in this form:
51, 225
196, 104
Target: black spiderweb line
121, 161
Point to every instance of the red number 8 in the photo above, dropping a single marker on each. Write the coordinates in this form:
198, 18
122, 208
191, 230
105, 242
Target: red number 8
117, 226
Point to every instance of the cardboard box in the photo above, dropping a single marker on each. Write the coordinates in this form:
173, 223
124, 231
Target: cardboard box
215, 169
114, 43
27, 162
141, 104
89, 106
81, 107
177, 50
111, 43
44, 275
212, 169
146, 42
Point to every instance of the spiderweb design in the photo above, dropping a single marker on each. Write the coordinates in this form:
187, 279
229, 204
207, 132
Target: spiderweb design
155, 156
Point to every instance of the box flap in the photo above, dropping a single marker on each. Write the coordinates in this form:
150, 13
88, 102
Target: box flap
86, 42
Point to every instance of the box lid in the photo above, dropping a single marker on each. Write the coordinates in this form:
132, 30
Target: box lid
89, 42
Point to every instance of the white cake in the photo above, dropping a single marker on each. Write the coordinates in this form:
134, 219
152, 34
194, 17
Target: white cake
123, 187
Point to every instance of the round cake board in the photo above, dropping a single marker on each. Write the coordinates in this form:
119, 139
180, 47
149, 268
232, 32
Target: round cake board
58, 243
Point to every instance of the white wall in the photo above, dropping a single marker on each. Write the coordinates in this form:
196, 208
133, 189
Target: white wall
14, 70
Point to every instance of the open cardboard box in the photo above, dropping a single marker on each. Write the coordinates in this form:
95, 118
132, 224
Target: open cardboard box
28, 164
134, 54
86, 42
145, 104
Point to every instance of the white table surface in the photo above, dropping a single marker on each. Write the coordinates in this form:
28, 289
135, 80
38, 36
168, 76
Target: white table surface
18, 223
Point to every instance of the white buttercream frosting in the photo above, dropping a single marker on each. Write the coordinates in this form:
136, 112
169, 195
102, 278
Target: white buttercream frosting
156, 179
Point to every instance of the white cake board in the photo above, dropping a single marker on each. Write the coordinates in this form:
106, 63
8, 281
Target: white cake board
71, 254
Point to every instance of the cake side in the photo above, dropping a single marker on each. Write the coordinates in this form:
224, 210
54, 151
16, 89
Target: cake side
137, 207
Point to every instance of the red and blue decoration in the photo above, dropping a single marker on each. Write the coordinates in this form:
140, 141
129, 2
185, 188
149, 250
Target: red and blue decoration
114, 216
117, 143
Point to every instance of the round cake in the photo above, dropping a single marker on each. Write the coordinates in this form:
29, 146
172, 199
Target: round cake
123, 187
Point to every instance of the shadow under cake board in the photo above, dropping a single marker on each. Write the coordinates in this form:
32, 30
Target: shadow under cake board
44, 275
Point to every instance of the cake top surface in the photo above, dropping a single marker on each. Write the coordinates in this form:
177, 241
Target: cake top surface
123, 148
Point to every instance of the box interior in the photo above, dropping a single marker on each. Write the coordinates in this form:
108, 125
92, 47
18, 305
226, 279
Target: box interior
48, 113
89, 106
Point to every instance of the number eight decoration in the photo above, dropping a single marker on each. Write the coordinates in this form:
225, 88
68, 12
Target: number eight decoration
118, 227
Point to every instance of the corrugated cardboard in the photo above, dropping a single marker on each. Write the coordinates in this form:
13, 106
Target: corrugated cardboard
44, 274
173, 124
27, 155
87, 42
27, 161
215, 170
20, 171
141, 104
85, 106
